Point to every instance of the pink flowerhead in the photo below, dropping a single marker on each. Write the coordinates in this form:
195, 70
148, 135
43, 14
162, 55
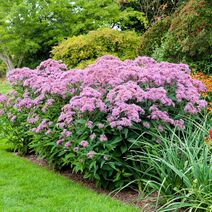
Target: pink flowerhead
160, 128
146, 124
48, 132
61, 125
100, 126
1, 112
92, 136
90, 154
180, 124
89, 124
103, 137
59, 141
75, 149
33, 129
84, 143
33, 119
66, 133
67, 144
3, 98
13, 118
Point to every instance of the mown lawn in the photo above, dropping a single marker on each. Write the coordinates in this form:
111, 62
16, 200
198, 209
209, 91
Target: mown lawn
4, 86
25, 186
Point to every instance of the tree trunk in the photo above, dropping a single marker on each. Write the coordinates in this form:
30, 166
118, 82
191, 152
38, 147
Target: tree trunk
20, 61
7, 61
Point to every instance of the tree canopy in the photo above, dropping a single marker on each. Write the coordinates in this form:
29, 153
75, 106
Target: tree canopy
153, 9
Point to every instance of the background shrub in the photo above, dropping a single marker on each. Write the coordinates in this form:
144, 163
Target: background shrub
152, 38
189, 36
191, 27
153, 9
84, 49
184, 37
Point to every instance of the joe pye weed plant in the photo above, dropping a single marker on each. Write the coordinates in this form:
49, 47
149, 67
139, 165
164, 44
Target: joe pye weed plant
89, 119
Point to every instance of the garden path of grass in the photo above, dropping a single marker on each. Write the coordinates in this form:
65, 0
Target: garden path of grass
25, 186
4, 86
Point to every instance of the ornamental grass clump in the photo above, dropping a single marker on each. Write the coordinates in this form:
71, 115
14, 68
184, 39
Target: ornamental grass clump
90, 119
178, 168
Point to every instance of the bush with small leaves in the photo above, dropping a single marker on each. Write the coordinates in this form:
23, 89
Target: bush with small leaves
85, 49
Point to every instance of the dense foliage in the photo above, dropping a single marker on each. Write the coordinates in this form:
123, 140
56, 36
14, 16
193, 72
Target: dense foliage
152, 38
153, 9
84, 49
90, 119
188, 38
179, 167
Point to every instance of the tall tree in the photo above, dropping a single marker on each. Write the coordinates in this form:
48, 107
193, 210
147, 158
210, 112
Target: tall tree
28, 27
153, 9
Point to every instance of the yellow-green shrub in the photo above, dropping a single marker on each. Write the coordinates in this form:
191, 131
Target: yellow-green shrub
78, 51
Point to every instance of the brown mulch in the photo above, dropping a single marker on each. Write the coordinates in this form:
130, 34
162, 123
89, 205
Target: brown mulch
128, 196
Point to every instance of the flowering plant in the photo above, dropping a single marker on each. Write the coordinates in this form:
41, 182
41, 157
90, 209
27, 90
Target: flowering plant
89, 119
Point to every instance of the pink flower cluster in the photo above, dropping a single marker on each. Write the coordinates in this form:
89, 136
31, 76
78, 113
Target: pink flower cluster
125, 92
48, 78
3, 98
48, 103
32, 118
132, 90
88, 100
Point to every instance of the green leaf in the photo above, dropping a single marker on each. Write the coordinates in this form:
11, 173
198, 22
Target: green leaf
124, 148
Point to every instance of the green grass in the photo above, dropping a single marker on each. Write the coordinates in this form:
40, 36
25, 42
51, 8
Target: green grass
25, 186
4, 86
